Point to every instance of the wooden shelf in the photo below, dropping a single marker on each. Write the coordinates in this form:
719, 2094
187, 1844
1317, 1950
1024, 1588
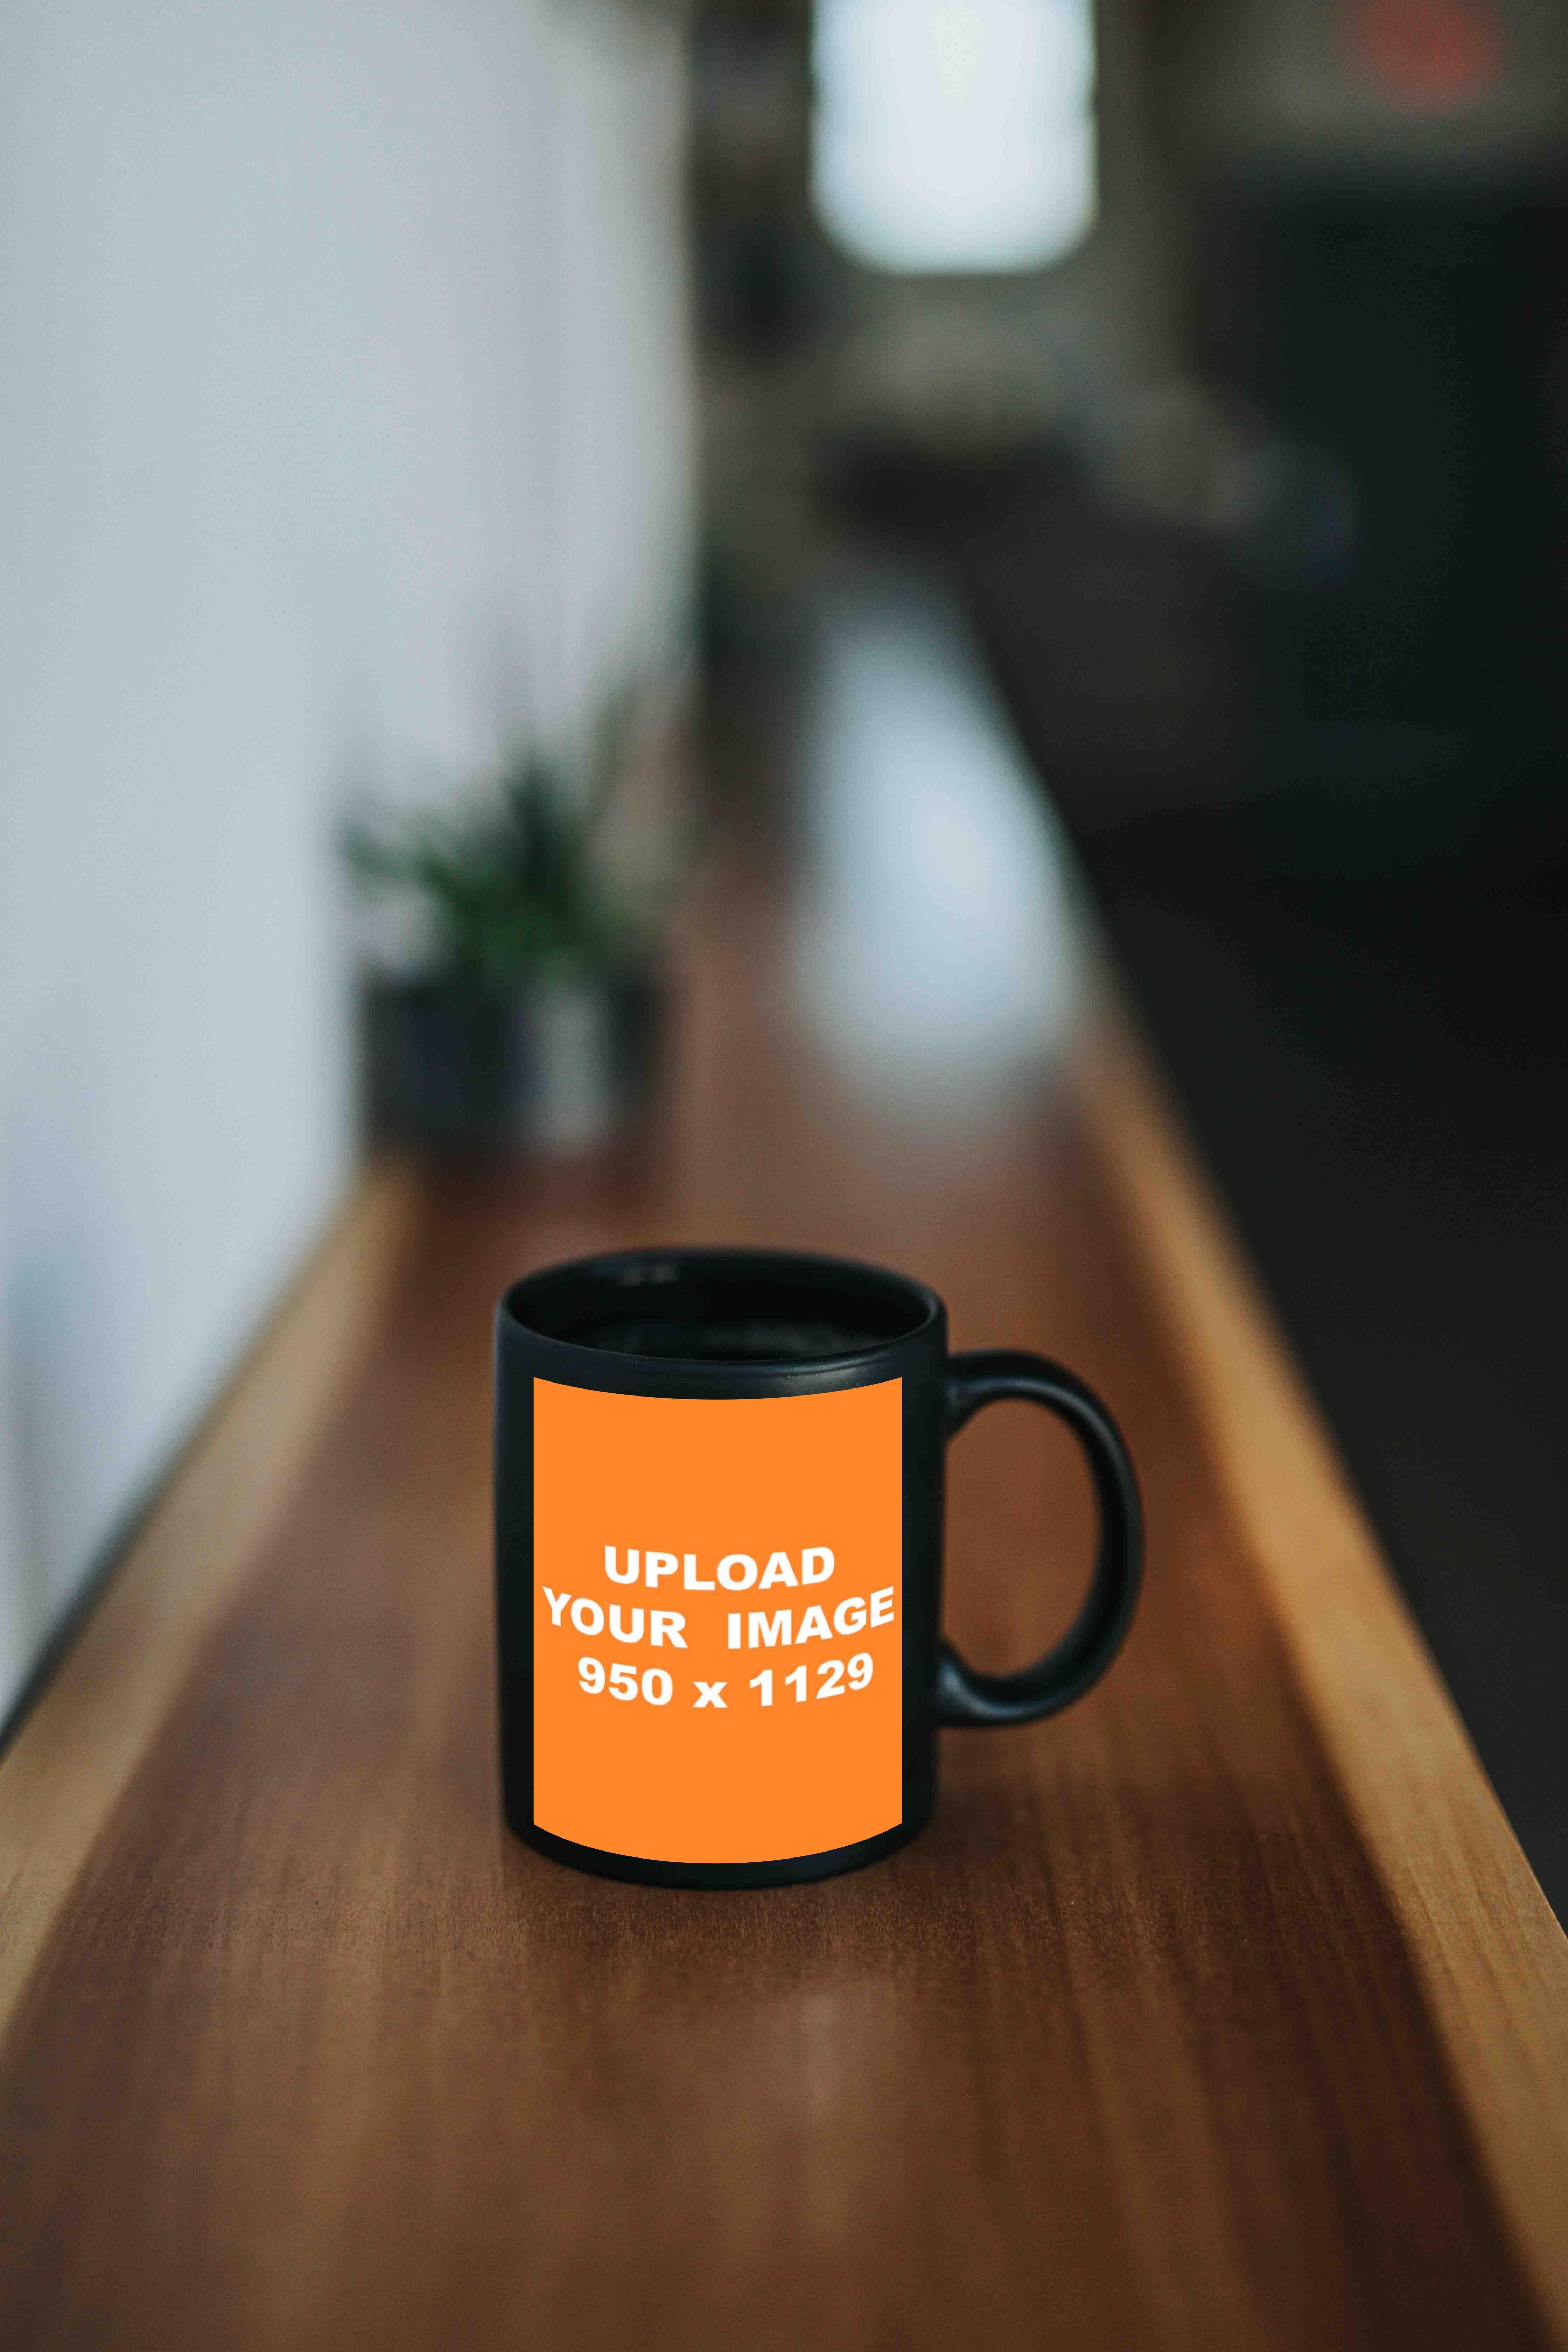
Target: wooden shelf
1221, 2010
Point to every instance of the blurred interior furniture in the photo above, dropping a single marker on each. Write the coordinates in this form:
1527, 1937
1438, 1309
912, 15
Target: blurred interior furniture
1223, 2009
1325, 819
1313, 761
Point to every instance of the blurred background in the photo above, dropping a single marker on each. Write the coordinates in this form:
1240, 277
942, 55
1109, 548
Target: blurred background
1038, 453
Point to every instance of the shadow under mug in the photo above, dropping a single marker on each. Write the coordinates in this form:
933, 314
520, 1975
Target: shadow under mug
718, 1544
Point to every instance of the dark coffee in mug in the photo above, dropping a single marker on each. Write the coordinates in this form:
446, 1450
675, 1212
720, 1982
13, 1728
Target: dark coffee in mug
719, 1529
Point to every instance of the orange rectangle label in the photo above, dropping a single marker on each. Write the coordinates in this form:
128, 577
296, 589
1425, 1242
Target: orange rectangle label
718, 1622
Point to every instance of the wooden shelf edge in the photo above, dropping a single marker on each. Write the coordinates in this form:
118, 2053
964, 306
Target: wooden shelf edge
77, 1751
1487, 1948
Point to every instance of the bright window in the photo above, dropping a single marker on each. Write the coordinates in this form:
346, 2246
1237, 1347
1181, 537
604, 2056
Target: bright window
954, 134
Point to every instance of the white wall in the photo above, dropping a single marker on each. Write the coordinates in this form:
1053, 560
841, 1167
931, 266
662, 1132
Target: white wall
343, 421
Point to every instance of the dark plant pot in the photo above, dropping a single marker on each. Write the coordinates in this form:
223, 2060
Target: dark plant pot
560, 1068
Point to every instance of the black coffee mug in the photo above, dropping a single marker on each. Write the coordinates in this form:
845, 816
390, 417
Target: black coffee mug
719, 1538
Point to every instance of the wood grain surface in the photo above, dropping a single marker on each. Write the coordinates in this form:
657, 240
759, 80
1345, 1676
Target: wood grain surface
75, 1756
1220, 2010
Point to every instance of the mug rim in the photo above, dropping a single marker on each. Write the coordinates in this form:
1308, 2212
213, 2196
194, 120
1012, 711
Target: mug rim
631, 1267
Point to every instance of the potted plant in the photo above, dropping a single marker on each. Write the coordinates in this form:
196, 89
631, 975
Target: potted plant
532, 1018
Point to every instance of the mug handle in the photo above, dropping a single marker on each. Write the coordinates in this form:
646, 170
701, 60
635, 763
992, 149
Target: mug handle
964, 1696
